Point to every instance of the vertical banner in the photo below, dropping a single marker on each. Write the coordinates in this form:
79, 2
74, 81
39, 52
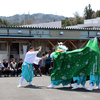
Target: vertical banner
24, 49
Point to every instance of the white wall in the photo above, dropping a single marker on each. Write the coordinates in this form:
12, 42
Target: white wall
49, 24
22, 56
94, 21
2, 56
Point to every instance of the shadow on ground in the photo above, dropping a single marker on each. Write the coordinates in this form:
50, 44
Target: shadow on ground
63, 89
35, 87
77, 90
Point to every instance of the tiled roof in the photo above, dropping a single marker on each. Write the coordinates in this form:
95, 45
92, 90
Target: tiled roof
48, 28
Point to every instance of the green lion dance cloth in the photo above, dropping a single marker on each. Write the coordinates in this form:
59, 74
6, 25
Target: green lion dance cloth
77, 63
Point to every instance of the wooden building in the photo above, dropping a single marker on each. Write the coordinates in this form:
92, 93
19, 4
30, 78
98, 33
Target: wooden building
14, 38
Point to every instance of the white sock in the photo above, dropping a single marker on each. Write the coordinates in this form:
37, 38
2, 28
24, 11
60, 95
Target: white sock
30, 83
99, 85
21, 80
70, 85
91, 86
75, 85
51, 84
83, 86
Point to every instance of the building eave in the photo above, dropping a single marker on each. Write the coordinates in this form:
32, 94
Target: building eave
48, 28
40, 38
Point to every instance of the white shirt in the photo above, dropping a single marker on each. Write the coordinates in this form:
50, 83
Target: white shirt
31, 57
13, 65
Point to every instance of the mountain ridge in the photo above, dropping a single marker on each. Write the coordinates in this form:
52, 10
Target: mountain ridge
35, 18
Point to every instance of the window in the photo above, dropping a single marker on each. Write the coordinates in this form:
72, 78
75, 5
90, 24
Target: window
14, 48
3, 46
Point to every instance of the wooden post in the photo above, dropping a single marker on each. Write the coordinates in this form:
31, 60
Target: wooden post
68, 45
19, 50
83, 44
47, 45
73, 44
64, 42
50, 43
35, 43
8, 51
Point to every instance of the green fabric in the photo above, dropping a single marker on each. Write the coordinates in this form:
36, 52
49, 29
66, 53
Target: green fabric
77, 63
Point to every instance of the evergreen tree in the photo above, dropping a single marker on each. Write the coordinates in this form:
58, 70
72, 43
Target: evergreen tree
0, 21
98, 13
27, 22
5, 23
78, 19
88, 12
66, 22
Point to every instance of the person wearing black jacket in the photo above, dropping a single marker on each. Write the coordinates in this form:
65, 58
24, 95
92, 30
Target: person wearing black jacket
19, 66
0, 69
6, 68
36, 68
47, 62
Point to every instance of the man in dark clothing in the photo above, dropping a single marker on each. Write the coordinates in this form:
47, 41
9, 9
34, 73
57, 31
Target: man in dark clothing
6, 68
42, 63
47, 63
19, 66
36, 69
0, 69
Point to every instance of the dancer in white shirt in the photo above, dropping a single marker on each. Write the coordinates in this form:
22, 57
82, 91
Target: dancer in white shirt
27, 68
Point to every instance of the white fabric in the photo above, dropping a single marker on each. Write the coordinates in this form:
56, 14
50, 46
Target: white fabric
83, 87
13, 65
90, 88
63, 48
50, 86
31, 57
70, 85
75, 87
36, 61
99, 85
24, 49
51, 55
31, 84
42, 63
21, 80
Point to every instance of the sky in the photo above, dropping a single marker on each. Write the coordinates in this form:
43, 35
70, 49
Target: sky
65, 8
